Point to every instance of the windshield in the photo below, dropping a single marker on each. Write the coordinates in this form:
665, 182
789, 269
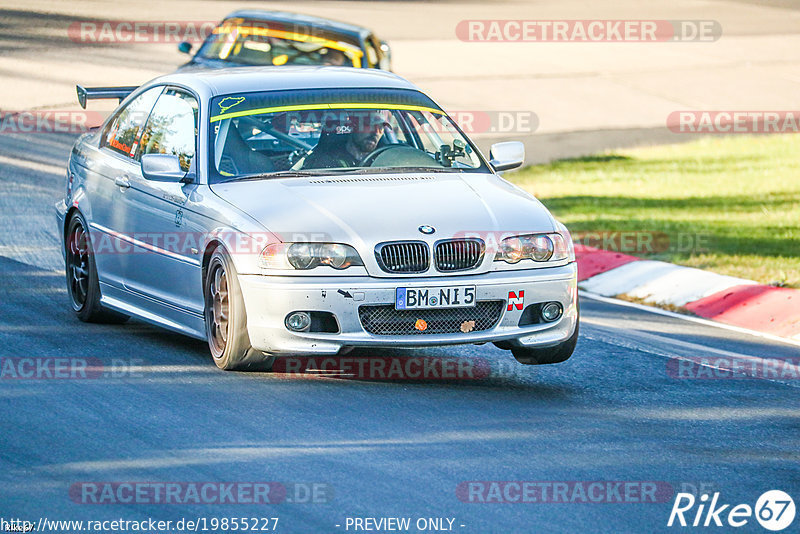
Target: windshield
262, 43
334, 131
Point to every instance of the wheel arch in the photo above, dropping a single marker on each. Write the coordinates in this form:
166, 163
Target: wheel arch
208, 252
211, 247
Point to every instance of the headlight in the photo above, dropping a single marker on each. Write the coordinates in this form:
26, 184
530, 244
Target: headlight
304, 256
541, 248
301, 255
536, 247
338, 256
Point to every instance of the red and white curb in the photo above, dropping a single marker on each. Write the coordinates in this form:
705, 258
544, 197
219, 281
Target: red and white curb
733, 301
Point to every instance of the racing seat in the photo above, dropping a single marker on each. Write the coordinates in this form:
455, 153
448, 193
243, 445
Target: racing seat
238, 158
329, 142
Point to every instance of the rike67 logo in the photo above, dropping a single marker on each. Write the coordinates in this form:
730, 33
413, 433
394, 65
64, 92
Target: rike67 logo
774, 510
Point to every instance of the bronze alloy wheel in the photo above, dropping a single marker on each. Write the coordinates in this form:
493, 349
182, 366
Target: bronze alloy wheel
217, 309
226, 318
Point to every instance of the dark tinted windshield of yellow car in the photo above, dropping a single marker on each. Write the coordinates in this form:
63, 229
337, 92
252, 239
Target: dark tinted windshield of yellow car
271, 43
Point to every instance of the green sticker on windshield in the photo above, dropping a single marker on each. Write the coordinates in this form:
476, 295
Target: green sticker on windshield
229, 101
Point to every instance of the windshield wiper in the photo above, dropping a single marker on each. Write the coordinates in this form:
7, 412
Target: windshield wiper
290, 174
413, 168
341, 170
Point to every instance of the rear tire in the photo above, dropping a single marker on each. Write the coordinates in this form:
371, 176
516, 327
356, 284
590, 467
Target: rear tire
542, 356
226, 318
83, 284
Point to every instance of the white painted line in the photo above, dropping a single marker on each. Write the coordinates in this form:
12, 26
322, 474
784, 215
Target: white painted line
664, 340
724, 360
795, 341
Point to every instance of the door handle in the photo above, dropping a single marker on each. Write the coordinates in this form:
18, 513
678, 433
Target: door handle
122, 181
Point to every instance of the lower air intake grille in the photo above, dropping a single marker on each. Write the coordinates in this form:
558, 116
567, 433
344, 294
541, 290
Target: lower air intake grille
386, 321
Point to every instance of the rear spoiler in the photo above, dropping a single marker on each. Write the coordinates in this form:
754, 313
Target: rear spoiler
95, 93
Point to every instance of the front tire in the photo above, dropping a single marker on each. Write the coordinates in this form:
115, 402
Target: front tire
542, 356
83, 284
226, 318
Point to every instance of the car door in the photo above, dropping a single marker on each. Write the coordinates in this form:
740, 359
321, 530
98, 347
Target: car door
107, 178
168, 230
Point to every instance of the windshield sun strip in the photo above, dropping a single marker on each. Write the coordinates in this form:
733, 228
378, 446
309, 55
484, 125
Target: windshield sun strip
306, 107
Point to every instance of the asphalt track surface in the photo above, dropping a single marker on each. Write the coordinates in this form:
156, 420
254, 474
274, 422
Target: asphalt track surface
382, 448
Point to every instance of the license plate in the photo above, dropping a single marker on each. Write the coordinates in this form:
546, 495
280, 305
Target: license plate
414, 298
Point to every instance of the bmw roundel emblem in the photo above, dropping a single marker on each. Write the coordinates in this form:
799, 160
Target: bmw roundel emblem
428, 230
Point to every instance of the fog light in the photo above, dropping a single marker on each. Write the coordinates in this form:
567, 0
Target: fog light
551, 311
298, 321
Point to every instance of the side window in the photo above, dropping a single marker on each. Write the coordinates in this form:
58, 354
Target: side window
172, 127
122, 134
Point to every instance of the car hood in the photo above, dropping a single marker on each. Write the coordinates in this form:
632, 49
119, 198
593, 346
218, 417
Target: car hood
365, 210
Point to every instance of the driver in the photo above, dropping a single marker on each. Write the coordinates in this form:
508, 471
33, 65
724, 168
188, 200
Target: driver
365, 132
334, 57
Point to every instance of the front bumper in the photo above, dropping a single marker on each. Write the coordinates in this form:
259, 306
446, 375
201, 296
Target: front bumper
269, 299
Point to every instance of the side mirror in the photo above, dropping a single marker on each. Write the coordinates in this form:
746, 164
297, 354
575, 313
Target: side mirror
162, 168
185, 47
507, 156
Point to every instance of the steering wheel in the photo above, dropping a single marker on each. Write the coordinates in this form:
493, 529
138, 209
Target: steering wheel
398, 155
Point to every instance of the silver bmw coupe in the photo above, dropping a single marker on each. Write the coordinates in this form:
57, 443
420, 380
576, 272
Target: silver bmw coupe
308, 211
